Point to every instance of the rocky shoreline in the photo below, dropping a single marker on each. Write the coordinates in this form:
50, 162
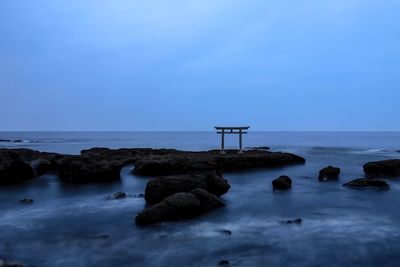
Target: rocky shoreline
185, 184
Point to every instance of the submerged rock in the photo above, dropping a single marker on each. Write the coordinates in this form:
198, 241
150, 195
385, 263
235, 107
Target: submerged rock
118, 195
159, 188
282, 183
4, 263
225, 232
26, 201
295, 221
384, 168
329, 174
176, 207
224, 263
368, 183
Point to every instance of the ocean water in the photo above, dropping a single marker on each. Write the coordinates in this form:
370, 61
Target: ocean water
341, 227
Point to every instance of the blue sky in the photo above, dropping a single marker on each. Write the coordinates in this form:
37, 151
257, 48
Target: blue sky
190, 65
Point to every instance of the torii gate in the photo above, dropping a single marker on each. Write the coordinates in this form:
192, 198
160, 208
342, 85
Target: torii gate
231, 130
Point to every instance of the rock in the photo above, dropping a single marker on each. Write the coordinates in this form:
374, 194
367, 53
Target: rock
384, 168
176, 207
13, 171
282, 183
200, 162
295, 221
208, 201
224, 263
118, 195
329, 174
101, 237
258, 148
41, 166
5, 140
368, 183
26, 201
141, 195
87, 169
4, 263
159, 188
225, 232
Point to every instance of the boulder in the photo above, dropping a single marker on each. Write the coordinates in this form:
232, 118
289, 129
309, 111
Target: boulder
208, 201
13, 171
385, 168
329, 174
88, 169
176, 207
282, 183
368, 183
224, 263
159, 188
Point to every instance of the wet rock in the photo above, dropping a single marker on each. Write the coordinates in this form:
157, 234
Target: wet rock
208, 201
176, 207
159, 188
200, 162
384, 168
13, 171
295, 221
26, 201
225, 232
86, 169
368, 183
41, 166
282, 183
141, 195
5, 140
329, 174
4, 263
118, 195
224, 263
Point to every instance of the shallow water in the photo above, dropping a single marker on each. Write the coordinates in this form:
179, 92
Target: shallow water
341, 227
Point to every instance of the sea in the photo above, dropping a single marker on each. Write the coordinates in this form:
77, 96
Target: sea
75, 226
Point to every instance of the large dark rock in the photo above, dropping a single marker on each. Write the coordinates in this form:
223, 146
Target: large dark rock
384, 168
207, 200
329, 174
13, 171
88, 169
282, 183
159, 188
176, 207
368, 183
41, 166
189, 162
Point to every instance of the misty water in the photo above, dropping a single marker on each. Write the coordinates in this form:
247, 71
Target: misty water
66, 224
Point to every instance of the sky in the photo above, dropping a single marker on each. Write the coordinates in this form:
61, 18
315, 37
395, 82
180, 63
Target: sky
287, 65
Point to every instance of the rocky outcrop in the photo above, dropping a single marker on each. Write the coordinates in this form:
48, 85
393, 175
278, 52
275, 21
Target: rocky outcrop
87, 170
117, 195
329, 174
190, 162
368, 183
282, 183
159, 188
176, 207
13, 171
104, 164
384, 168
